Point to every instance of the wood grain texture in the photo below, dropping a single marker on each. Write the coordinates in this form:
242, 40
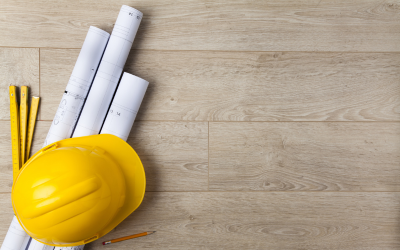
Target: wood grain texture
174, 154
290, 25
260, 86
266, 124
249, 86
18, 67
262, 220
6, 173
305, 156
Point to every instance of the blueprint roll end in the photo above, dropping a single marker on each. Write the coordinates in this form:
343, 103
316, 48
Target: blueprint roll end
125, 106
137, 12
127, 77
100, 31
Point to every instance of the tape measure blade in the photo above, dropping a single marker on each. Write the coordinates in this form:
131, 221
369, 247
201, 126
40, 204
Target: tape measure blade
31, 124
15, 140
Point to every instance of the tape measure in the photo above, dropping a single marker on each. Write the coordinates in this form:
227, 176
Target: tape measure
15, 140
31, 124
23, 120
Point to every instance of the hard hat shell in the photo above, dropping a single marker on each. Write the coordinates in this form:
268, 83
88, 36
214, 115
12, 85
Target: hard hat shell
76, 190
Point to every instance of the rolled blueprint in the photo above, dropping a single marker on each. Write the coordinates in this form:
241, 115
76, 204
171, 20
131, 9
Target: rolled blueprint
125, 105
16, 238
78, 85
109, 72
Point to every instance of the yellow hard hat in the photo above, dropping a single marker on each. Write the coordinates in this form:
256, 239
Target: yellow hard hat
74, 191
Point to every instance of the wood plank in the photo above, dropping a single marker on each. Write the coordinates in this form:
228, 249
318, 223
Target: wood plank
6, 173
319, 156
244, 86
255, 220
260, 86
18, 67
174, 154
262, 220
291, 25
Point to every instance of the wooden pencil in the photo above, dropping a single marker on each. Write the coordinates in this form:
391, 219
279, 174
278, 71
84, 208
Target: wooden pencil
128, 237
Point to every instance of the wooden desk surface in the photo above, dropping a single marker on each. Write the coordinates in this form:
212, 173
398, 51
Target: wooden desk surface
267, 124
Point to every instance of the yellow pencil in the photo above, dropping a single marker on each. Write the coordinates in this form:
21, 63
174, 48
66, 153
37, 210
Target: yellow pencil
128, 237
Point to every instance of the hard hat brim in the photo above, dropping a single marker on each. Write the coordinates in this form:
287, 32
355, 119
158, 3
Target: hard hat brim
128, 160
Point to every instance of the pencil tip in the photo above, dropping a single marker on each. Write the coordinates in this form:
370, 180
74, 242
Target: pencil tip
151, 232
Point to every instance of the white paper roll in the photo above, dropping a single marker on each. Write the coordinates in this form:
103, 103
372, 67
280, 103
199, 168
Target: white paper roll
78, 86
110, 70
16, 238
125, 106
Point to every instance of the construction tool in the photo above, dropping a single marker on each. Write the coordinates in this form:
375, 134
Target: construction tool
31, 124
23, 120
76, 190
15, 139
128, 237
